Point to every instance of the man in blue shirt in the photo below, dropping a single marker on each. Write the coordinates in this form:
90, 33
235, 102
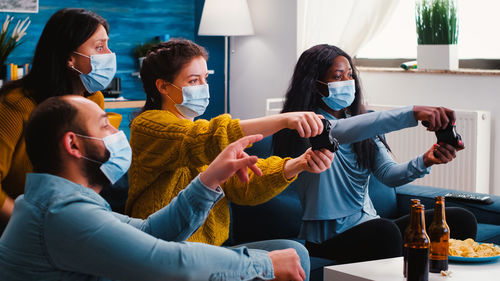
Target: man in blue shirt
61, 229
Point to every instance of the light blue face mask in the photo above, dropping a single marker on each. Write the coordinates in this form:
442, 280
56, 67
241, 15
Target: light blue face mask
120, 155
341, 94
195, 100
103, 71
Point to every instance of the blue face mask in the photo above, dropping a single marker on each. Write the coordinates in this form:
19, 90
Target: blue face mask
120, 155
195, 100
340, 94
103, 71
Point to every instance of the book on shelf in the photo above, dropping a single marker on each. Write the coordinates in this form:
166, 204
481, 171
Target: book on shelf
14, 71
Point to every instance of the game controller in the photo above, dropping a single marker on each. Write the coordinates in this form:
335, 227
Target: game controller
449, 135
324, 140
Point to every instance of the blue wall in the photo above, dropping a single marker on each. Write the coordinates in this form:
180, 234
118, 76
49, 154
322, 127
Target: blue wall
133, 22
215, 48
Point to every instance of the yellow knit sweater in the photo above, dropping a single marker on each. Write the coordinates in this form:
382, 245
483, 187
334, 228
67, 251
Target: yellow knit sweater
169, 152
15, 110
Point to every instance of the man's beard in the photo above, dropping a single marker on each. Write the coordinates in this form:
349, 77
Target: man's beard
92, 171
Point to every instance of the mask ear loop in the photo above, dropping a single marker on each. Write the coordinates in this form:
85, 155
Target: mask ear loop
73, 67
81, 54
92, 160
318, 90
88, 137
168, 95
93, 138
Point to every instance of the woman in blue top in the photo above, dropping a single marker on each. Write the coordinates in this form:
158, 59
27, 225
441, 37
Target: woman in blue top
339, 221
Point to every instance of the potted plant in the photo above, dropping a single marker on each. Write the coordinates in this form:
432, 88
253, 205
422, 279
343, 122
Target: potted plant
10, 39
437, 32
142, 49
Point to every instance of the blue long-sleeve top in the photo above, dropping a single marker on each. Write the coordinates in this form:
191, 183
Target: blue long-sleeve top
60, 230
338, 199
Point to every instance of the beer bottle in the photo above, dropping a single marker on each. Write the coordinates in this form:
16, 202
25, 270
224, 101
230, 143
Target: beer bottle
413, 202
417, 243
439, 233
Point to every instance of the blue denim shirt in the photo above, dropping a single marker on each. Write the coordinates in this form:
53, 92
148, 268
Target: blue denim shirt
338, 199
60, 230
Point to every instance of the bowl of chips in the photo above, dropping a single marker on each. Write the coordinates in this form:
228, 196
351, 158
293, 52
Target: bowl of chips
469, 250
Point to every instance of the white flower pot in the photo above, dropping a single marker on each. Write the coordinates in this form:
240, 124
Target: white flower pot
443, 57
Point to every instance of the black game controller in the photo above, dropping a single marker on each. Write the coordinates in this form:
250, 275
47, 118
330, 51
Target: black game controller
324, 140
448, 135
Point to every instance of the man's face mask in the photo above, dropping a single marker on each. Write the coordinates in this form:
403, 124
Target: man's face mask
103, 71
195, 100
340, 94
120, 156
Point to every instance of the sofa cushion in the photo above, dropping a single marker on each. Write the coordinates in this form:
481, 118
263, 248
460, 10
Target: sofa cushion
280, 217
488, 233
261, 149
489, 214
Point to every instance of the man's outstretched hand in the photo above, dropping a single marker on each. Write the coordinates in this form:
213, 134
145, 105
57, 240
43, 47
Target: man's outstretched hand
232, 160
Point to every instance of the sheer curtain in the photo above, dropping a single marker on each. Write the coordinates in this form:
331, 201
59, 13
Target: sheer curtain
346, 24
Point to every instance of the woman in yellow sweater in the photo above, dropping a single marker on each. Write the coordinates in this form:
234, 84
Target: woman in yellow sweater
169, 149
71, 57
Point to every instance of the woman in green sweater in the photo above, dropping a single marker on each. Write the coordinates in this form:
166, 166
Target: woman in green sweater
170, 149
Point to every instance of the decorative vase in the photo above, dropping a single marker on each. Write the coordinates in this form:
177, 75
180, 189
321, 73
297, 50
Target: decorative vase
443, 57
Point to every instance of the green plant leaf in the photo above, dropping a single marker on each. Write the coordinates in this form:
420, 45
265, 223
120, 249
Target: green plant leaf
436, 21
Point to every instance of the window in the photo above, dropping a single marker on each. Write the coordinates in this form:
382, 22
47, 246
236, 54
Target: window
479, 36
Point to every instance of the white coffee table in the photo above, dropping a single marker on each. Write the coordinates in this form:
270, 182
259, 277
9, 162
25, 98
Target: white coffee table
392, 270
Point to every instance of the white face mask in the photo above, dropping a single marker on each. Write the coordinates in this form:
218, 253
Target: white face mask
120, 155
103, 71
340, 94
195, 100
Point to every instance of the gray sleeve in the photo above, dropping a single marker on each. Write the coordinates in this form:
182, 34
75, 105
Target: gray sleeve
393, 174
365, 126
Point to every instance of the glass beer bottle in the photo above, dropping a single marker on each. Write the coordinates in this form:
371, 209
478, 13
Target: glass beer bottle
418, 244
413, 202
439, 233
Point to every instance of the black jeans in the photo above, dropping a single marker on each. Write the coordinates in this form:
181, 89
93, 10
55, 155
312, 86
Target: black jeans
382, 238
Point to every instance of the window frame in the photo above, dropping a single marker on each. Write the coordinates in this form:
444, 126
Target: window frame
396, 62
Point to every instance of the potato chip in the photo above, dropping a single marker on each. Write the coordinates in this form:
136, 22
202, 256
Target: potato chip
471, 249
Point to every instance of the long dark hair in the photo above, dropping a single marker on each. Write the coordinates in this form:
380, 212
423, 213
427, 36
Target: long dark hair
50, 75
303, 95
164, 61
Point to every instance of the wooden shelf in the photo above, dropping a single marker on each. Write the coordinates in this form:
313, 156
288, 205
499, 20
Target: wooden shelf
460, 71
124, 104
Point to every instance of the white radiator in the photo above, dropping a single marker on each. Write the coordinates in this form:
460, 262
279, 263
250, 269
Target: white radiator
470, 171
274, 106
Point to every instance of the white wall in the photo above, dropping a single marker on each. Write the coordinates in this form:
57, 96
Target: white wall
456, 91
261, 65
